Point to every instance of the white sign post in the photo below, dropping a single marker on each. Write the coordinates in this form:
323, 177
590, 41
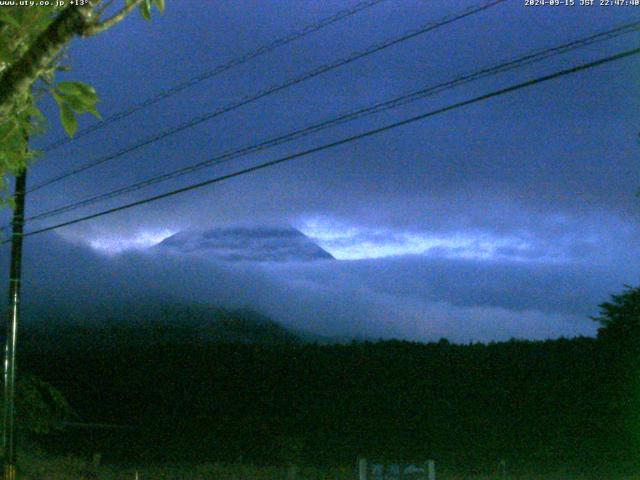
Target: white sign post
362, 469
431, 470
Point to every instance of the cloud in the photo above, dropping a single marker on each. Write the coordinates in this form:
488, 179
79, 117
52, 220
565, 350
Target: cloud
353, 243
498, 165
411, 297
512, 216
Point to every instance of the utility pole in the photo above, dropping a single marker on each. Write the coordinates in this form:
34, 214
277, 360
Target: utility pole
9, 441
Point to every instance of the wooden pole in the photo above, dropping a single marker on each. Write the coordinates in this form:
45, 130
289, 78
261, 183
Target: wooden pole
8, 437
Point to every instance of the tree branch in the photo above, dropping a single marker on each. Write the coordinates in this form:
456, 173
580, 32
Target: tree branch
107, 24
104, 6
18, 78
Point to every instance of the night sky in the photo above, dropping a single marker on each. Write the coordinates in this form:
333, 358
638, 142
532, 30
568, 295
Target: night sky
513, 217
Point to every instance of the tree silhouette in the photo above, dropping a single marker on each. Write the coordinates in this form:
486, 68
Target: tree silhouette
620, 319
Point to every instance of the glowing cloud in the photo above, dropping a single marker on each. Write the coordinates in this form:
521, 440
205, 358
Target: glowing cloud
115, 244
355, 243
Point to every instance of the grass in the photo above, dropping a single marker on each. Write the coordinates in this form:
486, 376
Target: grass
38, 466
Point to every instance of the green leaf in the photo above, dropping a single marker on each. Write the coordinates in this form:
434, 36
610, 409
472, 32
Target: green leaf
145, 9
94, 111
6, 17
6, 129
78, 89
69, 88
34, 112
58, 98
159, 5
75, 103
79, 96
68, 119
87, 90
37, 120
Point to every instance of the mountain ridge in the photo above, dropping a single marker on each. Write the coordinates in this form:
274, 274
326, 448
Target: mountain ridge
256, 244
156, 324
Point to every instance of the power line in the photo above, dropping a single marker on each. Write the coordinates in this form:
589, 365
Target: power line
217, 70
346, 140
271, 90
494, 69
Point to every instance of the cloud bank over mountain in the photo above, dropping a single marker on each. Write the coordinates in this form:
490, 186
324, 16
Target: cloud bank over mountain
416, 297
515, 216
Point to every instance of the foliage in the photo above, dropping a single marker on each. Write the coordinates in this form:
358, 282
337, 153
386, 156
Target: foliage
19, 27
620, 317
40, 407
619, 335
535, 404
23, 30
146, 5
74, 98
70, 468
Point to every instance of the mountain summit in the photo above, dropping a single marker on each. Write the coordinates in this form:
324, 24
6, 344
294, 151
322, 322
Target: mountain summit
247, 244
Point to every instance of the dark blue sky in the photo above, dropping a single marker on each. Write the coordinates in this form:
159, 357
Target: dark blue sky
512, 217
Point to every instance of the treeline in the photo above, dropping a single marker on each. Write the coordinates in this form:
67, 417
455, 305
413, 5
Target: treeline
553, 404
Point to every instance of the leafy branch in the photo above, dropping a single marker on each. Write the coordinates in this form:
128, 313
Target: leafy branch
32, 43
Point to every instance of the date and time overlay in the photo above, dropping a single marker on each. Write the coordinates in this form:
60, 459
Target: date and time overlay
581, 3
526, 3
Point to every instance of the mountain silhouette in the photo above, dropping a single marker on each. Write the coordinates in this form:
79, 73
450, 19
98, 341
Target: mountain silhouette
155, 324
247, 244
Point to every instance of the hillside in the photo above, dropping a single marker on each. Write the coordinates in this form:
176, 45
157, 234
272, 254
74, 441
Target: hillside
551, 404
152, 324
